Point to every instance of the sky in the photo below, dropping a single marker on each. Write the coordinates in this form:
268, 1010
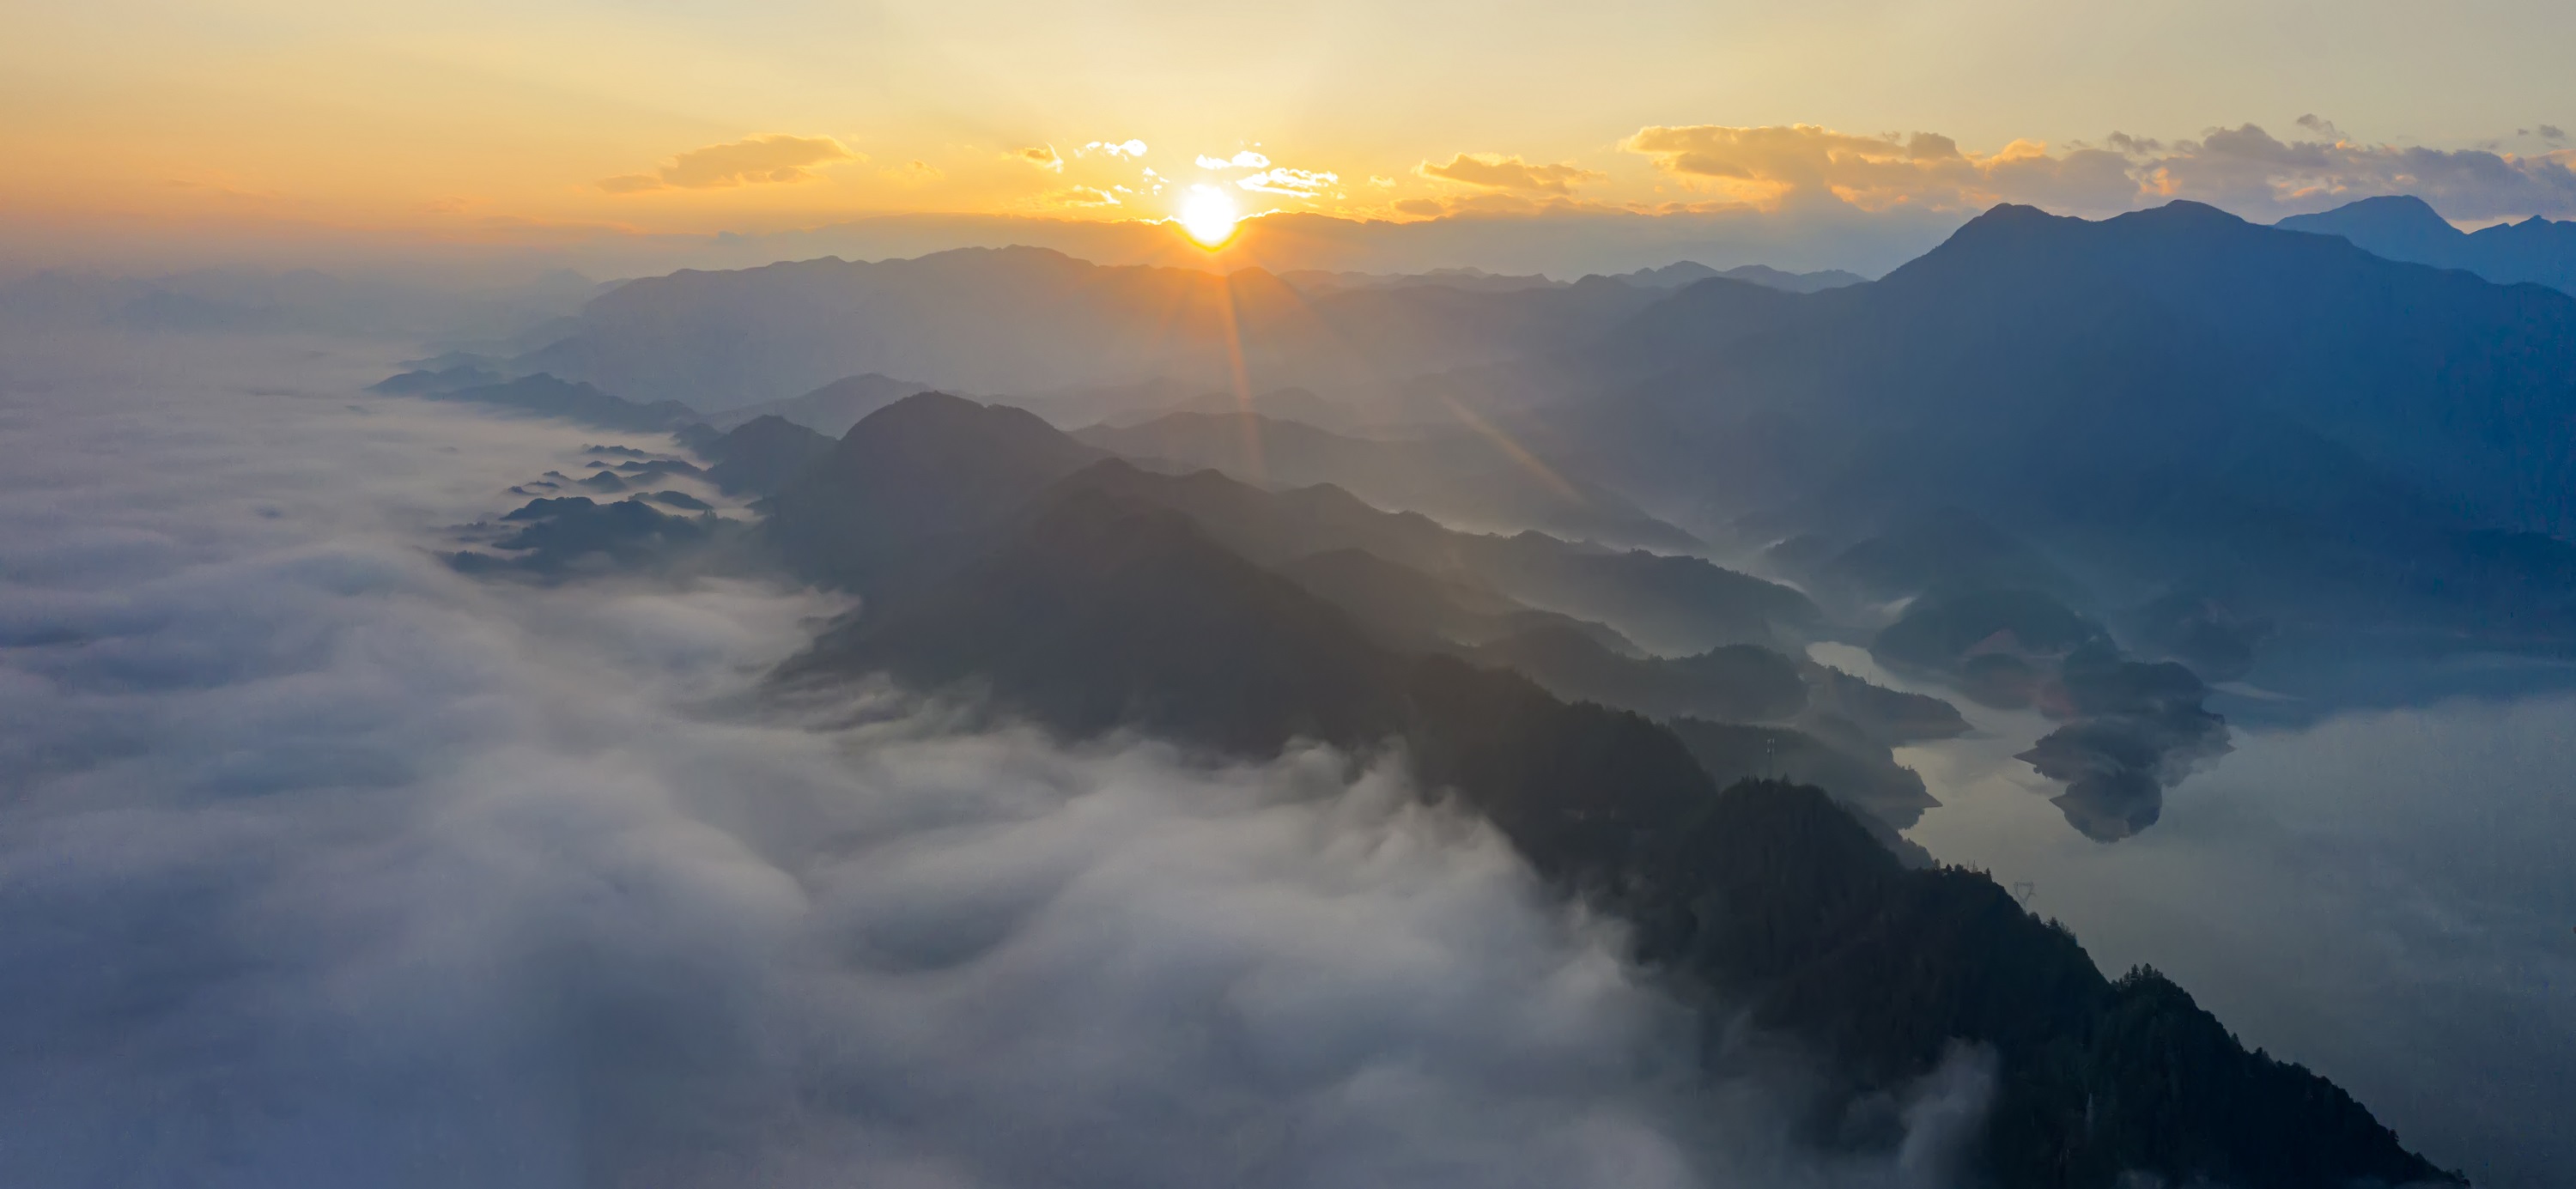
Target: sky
553, 120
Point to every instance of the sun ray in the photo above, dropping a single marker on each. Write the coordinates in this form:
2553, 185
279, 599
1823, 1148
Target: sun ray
1513, 450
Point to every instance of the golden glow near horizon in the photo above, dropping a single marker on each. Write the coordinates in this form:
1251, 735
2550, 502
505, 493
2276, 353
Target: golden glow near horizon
550, 120
1209, 216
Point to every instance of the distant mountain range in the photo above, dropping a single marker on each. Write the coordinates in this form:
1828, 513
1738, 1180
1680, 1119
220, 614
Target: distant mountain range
1030, 321
829, 410
2173, 399
2207, 436
1461, 480
1670, 276
2404, 227
1689, 272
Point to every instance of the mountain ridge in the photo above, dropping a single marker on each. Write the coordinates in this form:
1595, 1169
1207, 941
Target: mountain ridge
1095, 605
2403, 227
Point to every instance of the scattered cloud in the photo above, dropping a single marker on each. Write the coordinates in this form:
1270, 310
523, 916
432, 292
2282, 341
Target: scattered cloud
917, 171
771, 158
2244, 169
1291, 183
2248, 170
1124, 150
1247, 159
1082, 196
1493, 171
2552, 132
1042, 156
1772, 166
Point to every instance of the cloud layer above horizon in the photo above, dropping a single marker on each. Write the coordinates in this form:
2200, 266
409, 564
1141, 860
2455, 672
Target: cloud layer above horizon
743, 162
158, 125
2244, 169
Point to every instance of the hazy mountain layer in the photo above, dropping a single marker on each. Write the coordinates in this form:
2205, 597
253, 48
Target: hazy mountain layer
829, 410
1028, 320
2404, 227
1674, 276
2173, 398
1100, 602
1463, 479
544, 396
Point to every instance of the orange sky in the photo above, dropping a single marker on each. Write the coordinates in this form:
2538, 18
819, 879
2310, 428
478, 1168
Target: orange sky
476, 119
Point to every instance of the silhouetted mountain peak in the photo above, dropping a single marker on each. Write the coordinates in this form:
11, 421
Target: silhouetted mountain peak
2395, 209
2005, 214
930, 425
2403, 227
762, 454
2182, 212
831, 409
1095, 612
924, 473
2397, 226
2029, 236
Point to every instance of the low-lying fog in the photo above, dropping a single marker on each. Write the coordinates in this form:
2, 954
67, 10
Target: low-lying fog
321, 864
2388, 897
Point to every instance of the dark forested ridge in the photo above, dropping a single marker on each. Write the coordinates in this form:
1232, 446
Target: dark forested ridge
1107, 598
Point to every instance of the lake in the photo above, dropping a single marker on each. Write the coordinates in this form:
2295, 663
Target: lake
2386, 896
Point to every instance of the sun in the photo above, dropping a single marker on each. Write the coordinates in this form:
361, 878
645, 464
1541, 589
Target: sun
1209, 216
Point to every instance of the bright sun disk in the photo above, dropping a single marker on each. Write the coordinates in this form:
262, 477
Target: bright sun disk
1209, 216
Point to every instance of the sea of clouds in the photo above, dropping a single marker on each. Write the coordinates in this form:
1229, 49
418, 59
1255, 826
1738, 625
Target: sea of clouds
322, 864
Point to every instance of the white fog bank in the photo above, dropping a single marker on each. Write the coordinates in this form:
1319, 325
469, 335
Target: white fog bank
321, 864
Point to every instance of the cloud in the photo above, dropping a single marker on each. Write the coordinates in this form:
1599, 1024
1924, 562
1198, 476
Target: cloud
1082, 196
2244, 169
2248, 170
1042, 156
773, 158
1494, 171
917, 171
369, 873
1125, 150
1291, 183
1772, 166
1247, 159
